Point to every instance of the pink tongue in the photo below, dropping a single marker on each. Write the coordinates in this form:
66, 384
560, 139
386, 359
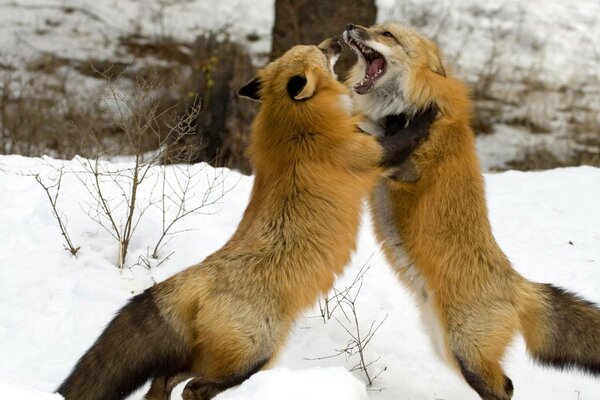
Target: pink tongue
375, 66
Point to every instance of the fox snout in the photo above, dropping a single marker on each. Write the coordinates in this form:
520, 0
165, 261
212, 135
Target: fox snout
356, 32
332, 47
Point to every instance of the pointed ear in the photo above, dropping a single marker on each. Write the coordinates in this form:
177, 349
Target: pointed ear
303, 87
435, 64
251, 90
438, 68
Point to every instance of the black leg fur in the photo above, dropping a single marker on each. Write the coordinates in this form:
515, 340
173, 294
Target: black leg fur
200, 389
136, 345
479, 385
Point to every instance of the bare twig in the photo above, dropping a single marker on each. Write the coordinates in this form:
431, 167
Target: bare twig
137, 119
345, 301
180, 194
120, 215
179, 197
53, 199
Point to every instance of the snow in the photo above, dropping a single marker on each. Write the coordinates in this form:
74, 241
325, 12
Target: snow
84, 29
508, 143
15, 391
54, 305
87, 29
310, 383
469, 30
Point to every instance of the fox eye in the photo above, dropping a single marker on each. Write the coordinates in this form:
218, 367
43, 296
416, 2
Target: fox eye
388, 34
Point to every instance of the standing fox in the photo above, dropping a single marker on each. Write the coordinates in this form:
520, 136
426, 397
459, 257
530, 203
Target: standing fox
433, 226
226, 318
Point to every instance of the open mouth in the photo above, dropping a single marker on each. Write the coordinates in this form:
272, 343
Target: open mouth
375, 65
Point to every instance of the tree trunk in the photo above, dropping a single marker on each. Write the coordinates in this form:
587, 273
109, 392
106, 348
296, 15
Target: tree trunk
220, 68
311, 21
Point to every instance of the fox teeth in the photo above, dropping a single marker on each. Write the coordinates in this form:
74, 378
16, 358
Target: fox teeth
364, 48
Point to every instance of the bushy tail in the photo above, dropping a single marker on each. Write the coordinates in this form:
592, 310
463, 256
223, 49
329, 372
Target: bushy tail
136, 345
562, 330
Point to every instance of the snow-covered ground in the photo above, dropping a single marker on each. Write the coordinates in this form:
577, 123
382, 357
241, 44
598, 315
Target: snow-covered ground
88, 29
54, 305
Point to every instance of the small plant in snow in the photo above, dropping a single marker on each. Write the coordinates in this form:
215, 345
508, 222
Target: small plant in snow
52, 191
120, 215
106, 210
178, 194
344, 302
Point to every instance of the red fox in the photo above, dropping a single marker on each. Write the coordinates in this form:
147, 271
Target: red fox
433, 225
226, 318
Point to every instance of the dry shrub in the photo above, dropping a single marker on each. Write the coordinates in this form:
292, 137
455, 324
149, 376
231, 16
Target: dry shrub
41, 114
167, 49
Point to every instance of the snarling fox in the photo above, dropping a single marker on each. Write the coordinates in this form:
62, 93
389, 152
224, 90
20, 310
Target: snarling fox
432, 223
226, 318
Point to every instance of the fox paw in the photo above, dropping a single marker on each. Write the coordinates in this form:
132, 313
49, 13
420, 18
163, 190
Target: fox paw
197, 389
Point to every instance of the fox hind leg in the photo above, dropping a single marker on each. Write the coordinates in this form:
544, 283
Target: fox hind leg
199, 389
477, 343
162, 386
478, 359
232, 343
203, 389
158, 389
486, 378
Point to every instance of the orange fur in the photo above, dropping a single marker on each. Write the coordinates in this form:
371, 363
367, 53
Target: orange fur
237, 306
436, 234
230, 314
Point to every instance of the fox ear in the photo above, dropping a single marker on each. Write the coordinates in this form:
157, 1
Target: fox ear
438, 68
436, 64
302, 87
251, 90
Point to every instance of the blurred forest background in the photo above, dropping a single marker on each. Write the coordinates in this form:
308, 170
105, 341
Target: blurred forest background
115, 78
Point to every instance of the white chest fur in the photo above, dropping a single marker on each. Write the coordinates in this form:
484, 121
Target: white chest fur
407, 270
401, 262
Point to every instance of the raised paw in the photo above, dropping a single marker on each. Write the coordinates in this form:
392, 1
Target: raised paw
416, 127
400, 140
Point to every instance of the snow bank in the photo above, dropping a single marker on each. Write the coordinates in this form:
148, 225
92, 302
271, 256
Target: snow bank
19, 392
311, 383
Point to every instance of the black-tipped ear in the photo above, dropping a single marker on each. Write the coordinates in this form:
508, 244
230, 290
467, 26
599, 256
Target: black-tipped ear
295, 86
251, 90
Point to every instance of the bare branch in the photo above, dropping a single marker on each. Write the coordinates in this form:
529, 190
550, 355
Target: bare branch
53, 204
345, 301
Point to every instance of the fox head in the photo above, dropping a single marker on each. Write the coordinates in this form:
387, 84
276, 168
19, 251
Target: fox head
299, 82
396, 69
299, 97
